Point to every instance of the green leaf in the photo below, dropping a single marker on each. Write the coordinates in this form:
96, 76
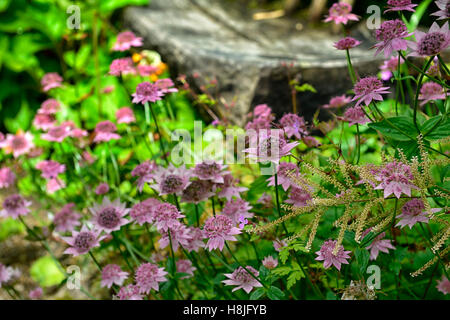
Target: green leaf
305, 87
362, 259
46, 272
258, 293
9, 227
112, 5
439, 126
282, 271
294, 277
417, 15
397, 128
274, 293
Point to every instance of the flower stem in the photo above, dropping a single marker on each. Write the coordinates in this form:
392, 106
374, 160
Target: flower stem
358, 154
278, 203
419, 85
351, 70
95, 261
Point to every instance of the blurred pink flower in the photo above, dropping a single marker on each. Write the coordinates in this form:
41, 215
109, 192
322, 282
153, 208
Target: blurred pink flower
378, 244
165, 85
347, 43
49, 107
130, 292
113, 274
125, 115
171, 180
293, 125
66, 219
57, 133
432, 43
210, 170
341, 13
228, 189
143, 212
444, 12
148, 276
126, 40
355, 115
147, 92
219, 229
282, 178
144, 172
179, 234
51, 80
102, 188
50, 168
431, 91
270, 147
122, 66
197, 191
400, 5
236, 208
166, 216
36, 294
196, 240
298, 197
44, 121
270, 262
185, 266
391, 36
443, 285
7, 177
338, 102
105, 131
18, 144
14, 206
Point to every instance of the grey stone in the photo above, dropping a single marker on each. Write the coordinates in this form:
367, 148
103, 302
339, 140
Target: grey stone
245, 56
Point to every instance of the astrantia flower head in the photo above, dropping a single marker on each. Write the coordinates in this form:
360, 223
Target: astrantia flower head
18, 144
329, 259
237, 208
148, 276
197, 191
82, 241
400, 5
14, 206
279, 244
143, 212
355, 115
147, 92
105, 131
51, 80
262, 118
179, 235
270, 262
341, 13
126, 40
282, 175
185, 266
413, 212
5, 274
196, 239
166, 85
378, 244
369, 89
102, 188
432, 43
57, 133
228, 189
49, 107
391, 36
109, 216
144, 172
125, 115
218, 229
444, 12
130, 292
7, 177
262, 110
294, 126
146, 70
122, 66
54, 185
347, 43
395, 178
113, 274
389, 66
66, 219
36, 293
210, 170
50, 168
443, 285
171, 180
242, 279
338, 102
43, 121
431, 91
166, 216
299, 197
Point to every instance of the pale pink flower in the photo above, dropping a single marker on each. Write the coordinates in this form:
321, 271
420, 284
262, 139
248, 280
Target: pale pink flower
126, 40
444, 12
7, 177
341, 13
219, 229
355, 115
431, 91
102, 188
18, 144
242, 279
262, 118
400, 5
270, 262
369, 89
165, 85
51, 80
311, 142
109, 216
196, 239
122, 66
389, 66
144, 172
166, 216
82, 241
443, 285
50, 168
262, 110
14, 206
180, 236
413, 212
54, 185
105, 131
36, 293
171, 180
228, 190
347, 43
66, 219
125, 115
197, 191
148, 276
391, 36
113, 274
143, 212
282, 175
49, 107
338, 102
395, 178
432, 43
294, 126
146, 70
185, 266
279, 244
147, 92
5, 274
43, 121
299, 197
378, 244
236, 208
210, 170
57, 133
329, 259
130, 292
270, 147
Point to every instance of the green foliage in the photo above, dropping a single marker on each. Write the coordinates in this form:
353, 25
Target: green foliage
46, 272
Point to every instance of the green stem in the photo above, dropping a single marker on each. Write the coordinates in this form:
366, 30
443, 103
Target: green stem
95, 261
278, 202
444, 66
351, 71
358, 154
419, 85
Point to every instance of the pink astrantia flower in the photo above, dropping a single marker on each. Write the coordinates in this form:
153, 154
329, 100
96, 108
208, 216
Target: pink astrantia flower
210, 170
431, 91
50, 168
36, 293
355, 115
432, 43
347, 43
147, 92
299, 197
262, 110
130, 292
218, 229
369, 89
109, 216
279, 244
171, 180
443, 285
66, 219
7, 177
166, 85
242, 279
282, 175
270, 147
294, 126
400, 5
395, 178
444, 12
341, 13
113, 274
413, 212
391, 36
122, 66
185, 266
338, 102
143, 212
105, 131
196, 240
237, 208
148, 276
197, 191
51, 80
54, 185
228, 189
102, 188
179, 234
43, 121
166, 216
6, 274
126, 40
57, 133
329, 259
378, 244
144, 172
82, 241
146, 70
265, 200
18, 144
270, 262
49, 107
14, 206
262, 118
125, 115
389, 66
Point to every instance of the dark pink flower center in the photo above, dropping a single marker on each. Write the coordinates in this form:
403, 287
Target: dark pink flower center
390, 30
367, 85
431, 44
171, 184
108, 218
13, 202
84, 240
